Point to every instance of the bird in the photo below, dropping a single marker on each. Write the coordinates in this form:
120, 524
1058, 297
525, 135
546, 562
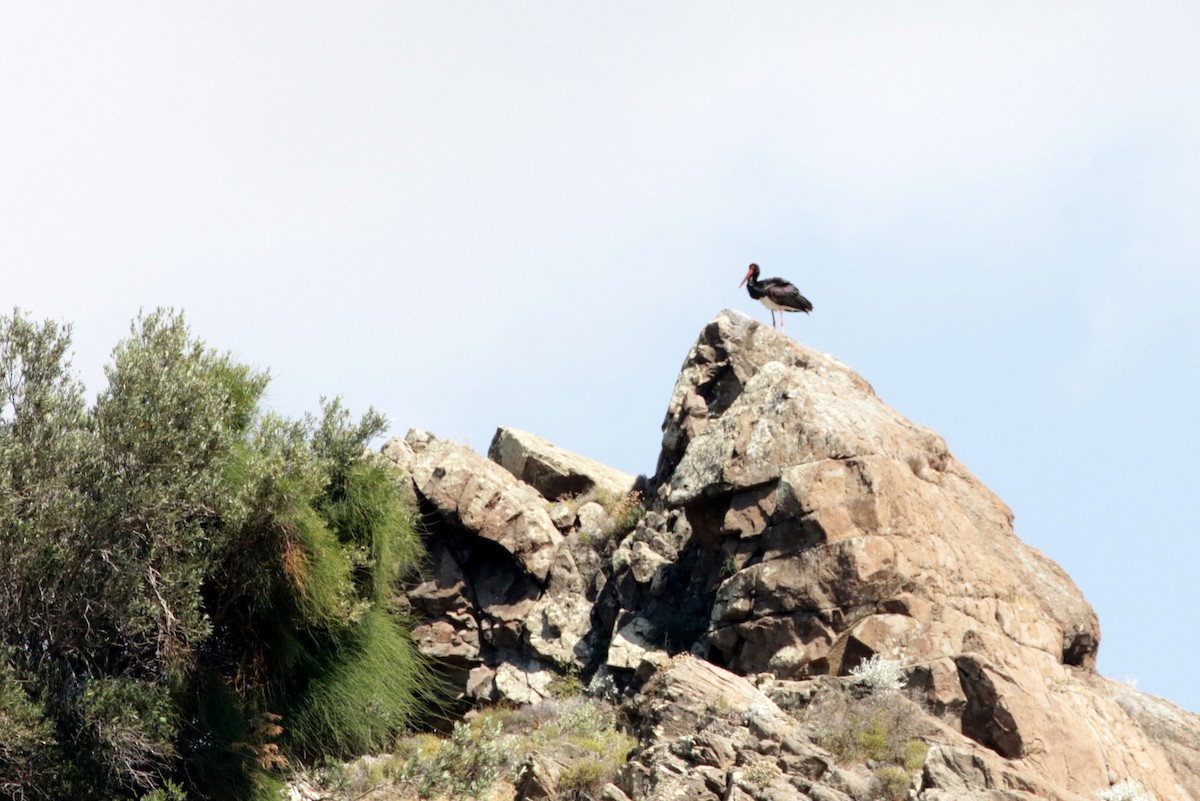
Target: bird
777, 294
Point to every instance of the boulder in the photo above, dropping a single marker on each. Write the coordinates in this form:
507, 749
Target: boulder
630, 648
593, 519
482, 497
559, 623
554, 472
523, 682
711, 734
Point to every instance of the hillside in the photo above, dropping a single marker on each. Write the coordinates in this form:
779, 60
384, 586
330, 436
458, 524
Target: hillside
811, 598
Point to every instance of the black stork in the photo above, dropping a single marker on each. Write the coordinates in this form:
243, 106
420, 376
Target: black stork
776, 294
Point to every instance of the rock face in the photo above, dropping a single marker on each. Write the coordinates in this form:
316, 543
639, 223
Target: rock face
552, 471
837, 503
481, 497
715, 735
795, 526
504, 599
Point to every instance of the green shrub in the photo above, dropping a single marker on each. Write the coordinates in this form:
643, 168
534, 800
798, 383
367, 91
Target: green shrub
566, 684
466, 765
583, 778
27, 739
915, 752
361, 694
128, 729
878, 727
169, 792
578, 734
893, 782
195, 591
584, 737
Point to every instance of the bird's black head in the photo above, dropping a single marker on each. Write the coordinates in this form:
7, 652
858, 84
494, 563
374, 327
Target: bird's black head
751, 274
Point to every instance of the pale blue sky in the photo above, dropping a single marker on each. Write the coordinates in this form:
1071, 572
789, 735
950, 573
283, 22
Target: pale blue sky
482, 214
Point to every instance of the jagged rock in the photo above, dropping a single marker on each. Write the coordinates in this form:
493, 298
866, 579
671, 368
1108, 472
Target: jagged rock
444, 640
481, 496
481, 684
554, 472
593, 519
448, 629
539, 779
299, 789
613, 793
712, 734
661, 573
823, 527
954, 773
796, 526
700, 721
523, 683
563, 516
1175, 731
561, 618
474, 600
689, 696
400, 453
630, 648
503, 585
849, 476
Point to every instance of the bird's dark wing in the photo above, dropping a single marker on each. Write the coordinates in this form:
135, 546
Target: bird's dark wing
785, 294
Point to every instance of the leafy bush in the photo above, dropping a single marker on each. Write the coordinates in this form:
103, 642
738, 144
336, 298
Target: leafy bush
168, 792
195, 591
25, 734
466, 765
579, 735
583, 736
893, 782
582, 778
878, 727
128, 727
566, 684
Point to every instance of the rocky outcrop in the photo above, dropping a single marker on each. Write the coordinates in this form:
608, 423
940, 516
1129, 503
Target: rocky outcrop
552, 471
482, 497
715, 735
838, 502
507, 599
795, 526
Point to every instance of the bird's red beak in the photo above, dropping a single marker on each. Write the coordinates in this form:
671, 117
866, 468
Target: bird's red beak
747, 278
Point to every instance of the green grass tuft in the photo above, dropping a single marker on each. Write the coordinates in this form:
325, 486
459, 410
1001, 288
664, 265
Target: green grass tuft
362, 694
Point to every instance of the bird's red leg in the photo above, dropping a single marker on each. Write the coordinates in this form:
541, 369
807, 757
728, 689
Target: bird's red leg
772, 318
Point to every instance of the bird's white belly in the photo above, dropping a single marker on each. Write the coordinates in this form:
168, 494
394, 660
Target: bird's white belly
773, 306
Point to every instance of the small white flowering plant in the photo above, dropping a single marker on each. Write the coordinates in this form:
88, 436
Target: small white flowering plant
880, 674
1127, 790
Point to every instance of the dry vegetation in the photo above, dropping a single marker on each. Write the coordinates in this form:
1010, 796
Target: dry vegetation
578, 739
